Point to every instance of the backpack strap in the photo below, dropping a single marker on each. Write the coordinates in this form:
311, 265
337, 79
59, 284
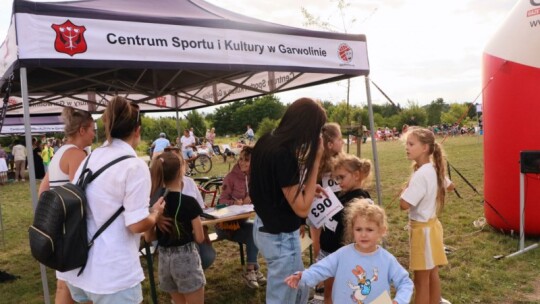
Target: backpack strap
100, 230
85, 181
87, 176
113, 162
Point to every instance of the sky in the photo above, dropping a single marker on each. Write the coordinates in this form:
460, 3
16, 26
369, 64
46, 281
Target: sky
419, 50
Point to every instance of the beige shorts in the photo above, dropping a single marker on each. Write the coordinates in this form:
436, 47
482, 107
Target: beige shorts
427, 248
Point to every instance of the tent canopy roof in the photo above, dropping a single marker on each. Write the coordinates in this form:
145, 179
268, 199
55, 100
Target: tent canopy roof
166, 54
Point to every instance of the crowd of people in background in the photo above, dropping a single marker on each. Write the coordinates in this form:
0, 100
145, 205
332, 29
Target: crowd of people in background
14, 162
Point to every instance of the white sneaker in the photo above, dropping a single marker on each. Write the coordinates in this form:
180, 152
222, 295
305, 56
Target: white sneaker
261, 279
22, 180
251, 279
445, 301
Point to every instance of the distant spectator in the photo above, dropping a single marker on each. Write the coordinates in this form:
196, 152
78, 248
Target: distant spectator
57, 143
188, 143
249, 134
46, 155
19, 155
210, 136
160, 144
3, 166
39, 167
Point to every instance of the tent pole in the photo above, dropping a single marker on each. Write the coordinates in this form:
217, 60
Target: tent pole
177, 119
31, 166
373, 143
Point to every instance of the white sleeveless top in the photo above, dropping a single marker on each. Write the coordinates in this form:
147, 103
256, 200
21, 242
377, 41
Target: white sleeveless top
56, 176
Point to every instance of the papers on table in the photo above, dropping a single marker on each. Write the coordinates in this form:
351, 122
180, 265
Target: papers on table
229, 211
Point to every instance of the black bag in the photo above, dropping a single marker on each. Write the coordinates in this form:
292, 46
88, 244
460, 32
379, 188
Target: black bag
58, 235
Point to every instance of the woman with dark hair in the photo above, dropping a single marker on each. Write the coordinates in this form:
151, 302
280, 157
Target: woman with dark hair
39, 168
235, 192
113, 272
283, 177
79, 130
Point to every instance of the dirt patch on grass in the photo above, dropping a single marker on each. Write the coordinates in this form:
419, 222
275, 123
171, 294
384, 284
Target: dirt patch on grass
533, 297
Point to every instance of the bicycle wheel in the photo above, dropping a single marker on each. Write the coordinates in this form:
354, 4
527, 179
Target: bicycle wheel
203, 163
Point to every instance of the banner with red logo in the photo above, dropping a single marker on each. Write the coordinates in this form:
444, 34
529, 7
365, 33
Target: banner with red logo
51, 37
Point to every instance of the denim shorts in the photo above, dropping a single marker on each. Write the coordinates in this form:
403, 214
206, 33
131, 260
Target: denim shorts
129, 296
180, 269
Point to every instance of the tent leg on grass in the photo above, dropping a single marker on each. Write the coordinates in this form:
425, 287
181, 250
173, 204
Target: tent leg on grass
32, 173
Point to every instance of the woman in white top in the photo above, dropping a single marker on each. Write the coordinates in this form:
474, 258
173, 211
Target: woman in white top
113, 272
79, 131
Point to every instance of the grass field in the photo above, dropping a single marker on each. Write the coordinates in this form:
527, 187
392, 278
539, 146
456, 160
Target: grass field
472, 276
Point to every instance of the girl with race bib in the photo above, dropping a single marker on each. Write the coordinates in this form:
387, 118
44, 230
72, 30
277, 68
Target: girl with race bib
364, 271
352, 174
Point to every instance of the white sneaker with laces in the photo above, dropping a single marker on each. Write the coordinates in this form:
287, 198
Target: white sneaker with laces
261, 279
251, 279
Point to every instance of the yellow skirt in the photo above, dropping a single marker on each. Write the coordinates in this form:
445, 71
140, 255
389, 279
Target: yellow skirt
427, 248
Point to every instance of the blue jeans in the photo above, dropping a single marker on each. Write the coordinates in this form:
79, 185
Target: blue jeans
284, 257
243, 235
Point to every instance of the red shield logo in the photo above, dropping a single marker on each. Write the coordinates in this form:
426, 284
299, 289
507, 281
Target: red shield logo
69, 38
345, 53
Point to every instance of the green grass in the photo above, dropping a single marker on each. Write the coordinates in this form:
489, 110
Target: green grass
472, 276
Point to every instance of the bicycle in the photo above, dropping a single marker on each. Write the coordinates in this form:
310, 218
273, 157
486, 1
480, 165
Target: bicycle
201, 164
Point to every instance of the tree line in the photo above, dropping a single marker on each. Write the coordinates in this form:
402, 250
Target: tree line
263, 114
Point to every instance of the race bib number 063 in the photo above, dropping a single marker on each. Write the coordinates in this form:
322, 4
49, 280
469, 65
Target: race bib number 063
323, 208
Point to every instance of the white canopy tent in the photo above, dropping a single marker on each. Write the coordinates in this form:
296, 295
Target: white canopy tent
165, 55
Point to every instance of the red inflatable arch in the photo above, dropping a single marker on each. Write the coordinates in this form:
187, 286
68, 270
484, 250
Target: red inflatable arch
511, 116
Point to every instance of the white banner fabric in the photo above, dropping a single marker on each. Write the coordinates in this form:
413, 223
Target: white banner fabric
52, 37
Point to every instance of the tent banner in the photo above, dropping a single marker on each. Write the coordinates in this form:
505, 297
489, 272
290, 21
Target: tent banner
53, 37
18, 129
82, 102
8, 54
261, 83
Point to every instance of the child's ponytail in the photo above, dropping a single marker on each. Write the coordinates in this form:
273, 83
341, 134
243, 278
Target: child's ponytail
440, 168
436, 152
156, 174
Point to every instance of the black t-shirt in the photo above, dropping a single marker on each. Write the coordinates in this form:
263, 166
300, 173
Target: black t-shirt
330, 240
278, 171
189, 209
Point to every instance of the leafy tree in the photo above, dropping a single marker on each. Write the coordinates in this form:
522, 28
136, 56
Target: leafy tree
434, 111
378, 119
339, 113
223, 118
472, 110
266, 126
393, 121
252, 114
387, 109
196, 121
413, 116
454, 114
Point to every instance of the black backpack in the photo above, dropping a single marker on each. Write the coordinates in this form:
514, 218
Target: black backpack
58, 235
